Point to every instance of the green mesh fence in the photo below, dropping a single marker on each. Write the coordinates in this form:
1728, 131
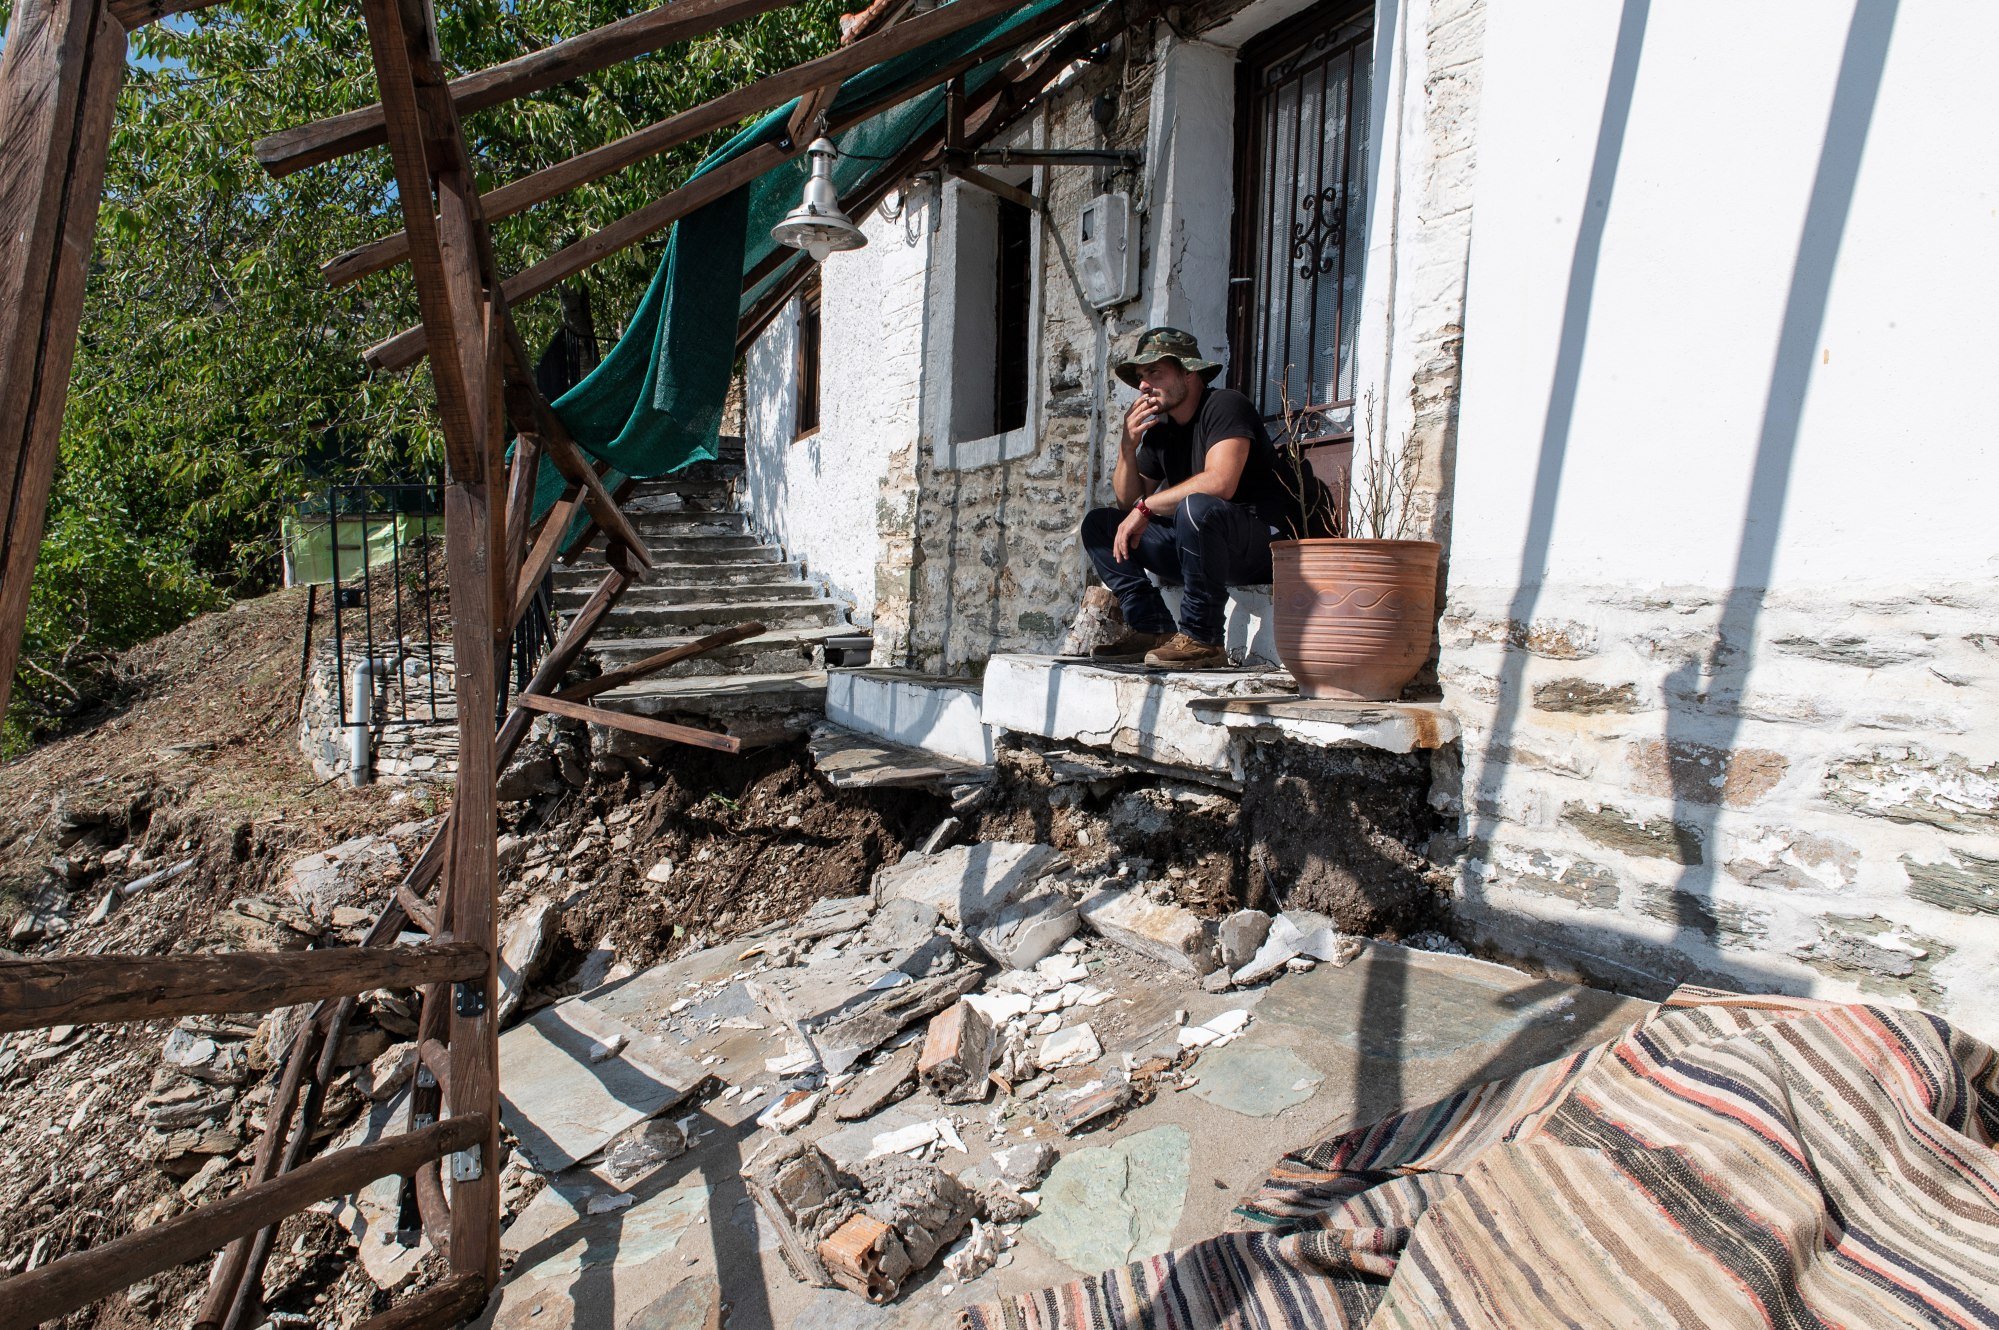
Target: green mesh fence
654, 405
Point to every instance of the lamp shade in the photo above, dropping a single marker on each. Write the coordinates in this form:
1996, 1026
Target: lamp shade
817, 225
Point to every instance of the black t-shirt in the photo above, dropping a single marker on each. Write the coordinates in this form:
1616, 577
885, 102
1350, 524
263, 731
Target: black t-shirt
1170, 452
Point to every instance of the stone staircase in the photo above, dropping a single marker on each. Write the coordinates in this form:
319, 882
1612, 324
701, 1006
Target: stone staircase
712, 573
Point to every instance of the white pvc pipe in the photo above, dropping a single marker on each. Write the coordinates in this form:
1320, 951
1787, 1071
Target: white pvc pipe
360, 716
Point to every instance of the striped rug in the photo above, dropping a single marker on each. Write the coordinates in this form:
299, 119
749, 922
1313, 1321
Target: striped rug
1731, 1161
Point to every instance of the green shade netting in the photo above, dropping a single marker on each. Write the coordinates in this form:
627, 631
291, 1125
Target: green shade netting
654, 405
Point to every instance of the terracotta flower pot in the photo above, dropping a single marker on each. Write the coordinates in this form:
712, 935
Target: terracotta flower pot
1353, 618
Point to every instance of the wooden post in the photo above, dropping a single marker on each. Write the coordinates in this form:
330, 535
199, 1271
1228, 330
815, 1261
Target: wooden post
59, 80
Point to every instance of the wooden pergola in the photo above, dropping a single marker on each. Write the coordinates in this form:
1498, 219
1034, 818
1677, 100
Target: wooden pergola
59, 81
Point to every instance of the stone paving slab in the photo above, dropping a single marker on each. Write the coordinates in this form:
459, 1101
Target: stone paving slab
1324, 1050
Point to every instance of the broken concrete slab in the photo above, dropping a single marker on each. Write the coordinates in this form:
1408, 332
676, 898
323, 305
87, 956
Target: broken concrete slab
1076, 1046
840, 914
1029, 929
877, 1087
848, 761
557, 1236
340, 875
795, 1186
968, 885
1167, 933
1104, 1207
561, 1106
1289, 939
525, 947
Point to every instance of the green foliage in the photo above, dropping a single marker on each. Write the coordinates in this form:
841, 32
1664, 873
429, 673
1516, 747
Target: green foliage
216, 378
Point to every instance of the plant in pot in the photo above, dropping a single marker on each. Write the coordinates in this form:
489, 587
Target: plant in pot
1353, 601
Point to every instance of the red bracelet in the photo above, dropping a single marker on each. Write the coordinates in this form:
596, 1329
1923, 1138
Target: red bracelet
1140, 507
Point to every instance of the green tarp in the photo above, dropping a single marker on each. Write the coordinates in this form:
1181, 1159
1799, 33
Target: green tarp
373, 539
654, 405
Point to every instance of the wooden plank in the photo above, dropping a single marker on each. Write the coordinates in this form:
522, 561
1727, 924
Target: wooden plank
600, 48
60, 72
547, 544
228, 1273
815, 80
531, 412
436, 1058
75, 990
652, 664
248, 1301
419, 913
472, 887
972, 175
457, 407
81, 1278
618, 720
591, 530
409, 346
135, 14
522, 473
457, 1298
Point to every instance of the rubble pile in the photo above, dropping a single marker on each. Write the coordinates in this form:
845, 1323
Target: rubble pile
909, 1063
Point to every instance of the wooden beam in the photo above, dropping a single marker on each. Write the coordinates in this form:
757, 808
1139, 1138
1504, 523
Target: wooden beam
76, 990
83, 1277
60, 72
136, 14
439, 290
410, 345
652, 664
591, 530
324, 140
228, 1273
457, 1298
816, 81
436, 1059
972, 175
618, 720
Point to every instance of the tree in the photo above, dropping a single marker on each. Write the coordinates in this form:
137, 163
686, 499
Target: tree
216, 377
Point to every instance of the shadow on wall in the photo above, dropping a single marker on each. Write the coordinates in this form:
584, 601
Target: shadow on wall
1702, 695
1703, 715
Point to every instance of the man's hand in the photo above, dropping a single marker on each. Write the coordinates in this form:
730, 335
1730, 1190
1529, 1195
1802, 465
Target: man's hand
1142, 416
1125, 543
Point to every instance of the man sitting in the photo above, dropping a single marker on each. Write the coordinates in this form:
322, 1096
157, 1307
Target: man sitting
1200, 495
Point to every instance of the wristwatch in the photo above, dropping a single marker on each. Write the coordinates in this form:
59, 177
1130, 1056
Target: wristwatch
1140, 507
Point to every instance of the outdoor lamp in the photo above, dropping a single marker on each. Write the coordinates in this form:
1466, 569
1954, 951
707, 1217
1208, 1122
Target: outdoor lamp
817, 225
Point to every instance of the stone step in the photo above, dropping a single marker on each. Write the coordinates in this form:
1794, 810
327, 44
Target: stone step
671, 549
695, 591
718, 694
779, 651
718, 574
683, 522
703, 617
716, 494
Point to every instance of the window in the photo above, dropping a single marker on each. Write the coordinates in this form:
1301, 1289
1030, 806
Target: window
808, 361
1014, 287
1301, 215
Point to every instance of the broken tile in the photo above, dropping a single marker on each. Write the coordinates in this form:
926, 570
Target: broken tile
559, 1106
525, 947
1255, 1080
1073, 1047
1107, 1206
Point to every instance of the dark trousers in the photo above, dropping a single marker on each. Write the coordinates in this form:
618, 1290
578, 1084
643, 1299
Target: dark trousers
1205, 546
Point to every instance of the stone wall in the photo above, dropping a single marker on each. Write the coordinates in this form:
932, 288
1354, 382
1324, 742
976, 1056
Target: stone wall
412, 743
997, 562
1793, 793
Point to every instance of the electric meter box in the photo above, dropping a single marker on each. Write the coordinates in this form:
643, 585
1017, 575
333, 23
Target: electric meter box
1107, 249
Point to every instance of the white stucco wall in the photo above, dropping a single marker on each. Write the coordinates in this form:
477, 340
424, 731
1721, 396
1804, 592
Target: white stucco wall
827, 497
1722, 566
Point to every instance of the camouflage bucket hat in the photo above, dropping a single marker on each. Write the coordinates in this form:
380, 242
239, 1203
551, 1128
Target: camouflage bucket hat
1163, 344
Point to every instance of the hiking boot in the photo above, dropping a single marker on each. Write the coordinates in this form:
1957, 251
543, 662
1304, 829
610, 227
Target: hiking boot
1181, 652
1129, 649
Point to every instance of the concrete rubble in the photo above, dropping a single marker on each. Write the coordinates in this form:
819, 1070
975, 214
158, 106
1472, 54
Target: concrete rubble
983, 1065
